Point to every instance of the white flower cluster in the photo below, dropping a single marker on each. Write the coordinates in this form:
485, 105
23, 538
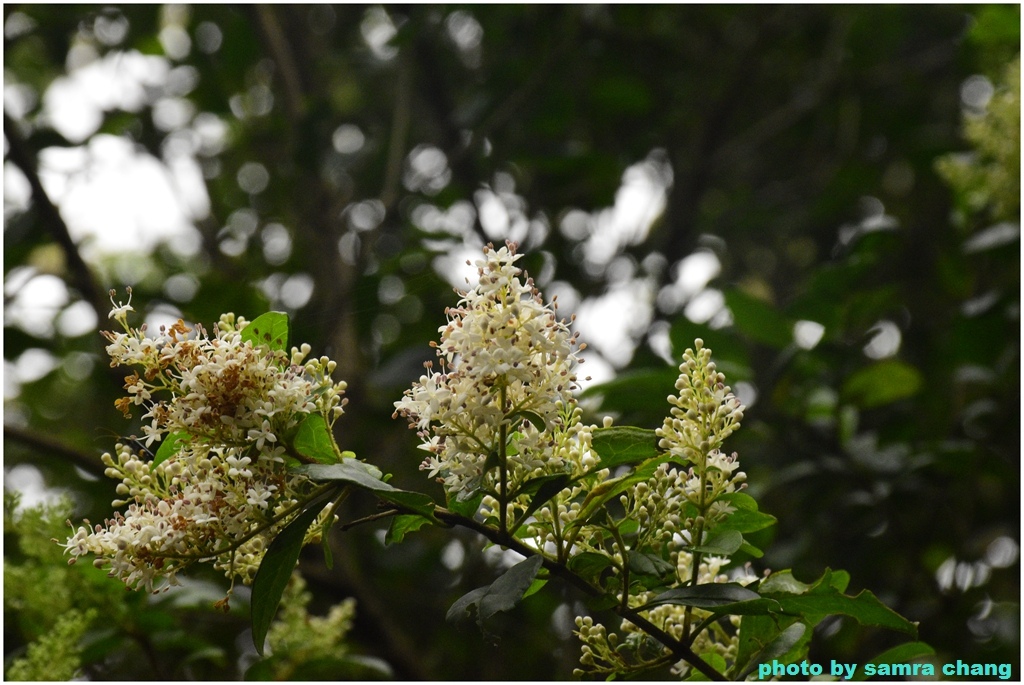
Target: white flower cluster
704, 414
676, 507
507, 363
223, 390
225, 492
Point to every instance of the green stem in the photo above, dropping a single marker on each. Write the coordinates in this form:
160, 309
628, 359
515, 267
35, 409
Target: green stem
702, 507
503, 464
625, 566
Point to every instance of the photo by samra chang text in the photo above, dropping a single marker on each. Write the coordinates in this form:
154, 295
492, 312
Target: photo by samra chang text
849, 671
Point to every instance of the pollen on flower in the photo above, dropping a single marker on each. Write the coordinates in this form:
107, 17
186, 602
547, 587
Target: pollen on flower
225, 492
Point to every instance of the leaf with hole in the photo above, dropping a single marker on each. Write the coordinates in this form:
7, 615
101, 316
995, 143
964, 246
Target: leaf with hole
270, 329
501, 595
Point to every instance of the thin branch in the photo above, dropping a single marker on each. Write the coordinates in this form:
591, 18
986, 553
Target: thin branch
82, 277
388, 513
399, 134
679, 650
90, 464
277, 45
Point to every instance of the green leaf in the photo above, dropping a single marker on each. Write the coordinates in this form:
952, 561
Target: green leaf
723, 542
825, 598
501, 595
649, 564
712, 659
545, 488
589, 566
313, 440
275, 570
533, 417
746, 518
605, 491
782, 642
902, 654
881, 383
460, 609
466, 507
367, 477
168, 447
636, 393
270, 329
617, 445
508, 590
706, 596
535, 587
758, 320
402, 525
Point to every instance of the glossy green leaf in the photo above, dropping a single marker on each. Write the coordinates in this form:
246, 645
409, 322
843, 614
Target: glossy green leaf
723, 542
367, 477
882, 383
712, 659
313, 440
169, 446
543, 488
402, 525
706, 596
650, 564
275, 570
536, 586
617, 445
270, 329
589, 566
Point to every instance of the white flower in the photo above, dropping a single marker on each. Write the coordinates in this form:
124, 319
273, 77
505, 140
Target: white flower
506, 361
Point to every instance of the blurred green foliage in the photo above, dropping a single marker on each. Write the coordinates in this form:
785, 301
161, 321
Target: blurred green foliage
797, 144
